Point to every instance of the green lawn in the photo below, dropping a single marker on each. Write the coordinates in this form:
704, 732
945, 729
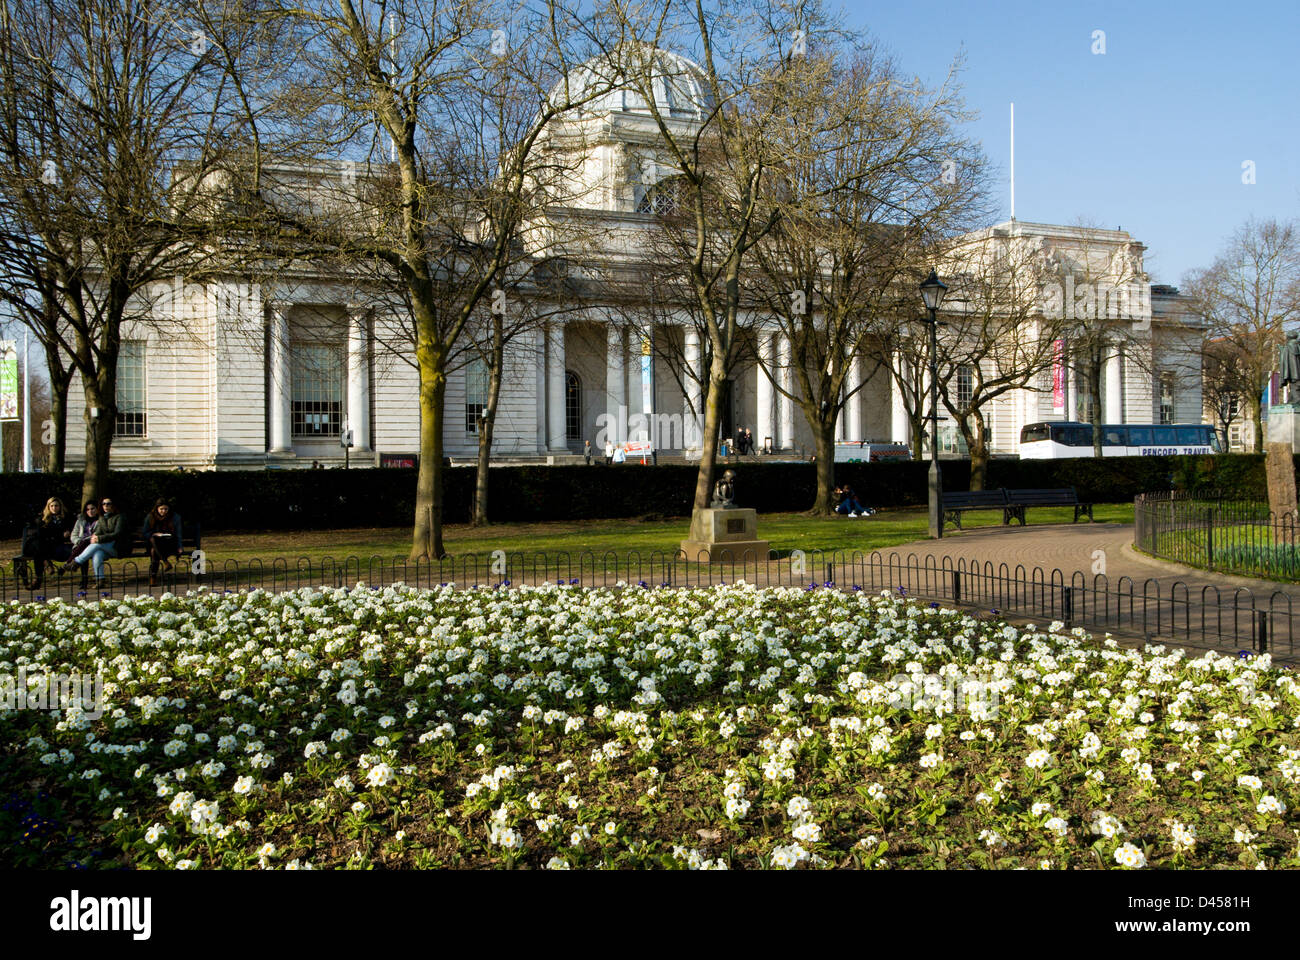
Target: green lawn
785, 531
1251, 550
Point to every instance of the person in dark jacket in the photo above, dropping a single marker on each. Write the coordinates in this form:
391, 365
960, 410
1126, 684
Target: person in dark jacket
162, 535
47, 540
112, 538
846, 503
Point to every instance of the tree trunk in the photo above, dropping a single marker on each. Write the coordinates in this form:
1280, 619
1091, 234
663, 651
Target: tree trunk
1257, 419
427, 540
972, 428
99, 439
709, 433
1094, 410
824, 444
56, 435
919, 426
486, 426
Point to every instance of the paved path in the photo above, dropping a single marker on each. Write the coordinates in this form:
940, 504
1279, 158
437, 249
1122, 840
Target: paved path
1087, 548
1210, 601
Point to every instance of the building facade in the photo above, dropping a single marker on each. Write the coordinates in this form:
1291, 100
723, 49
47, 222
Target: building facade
240, 375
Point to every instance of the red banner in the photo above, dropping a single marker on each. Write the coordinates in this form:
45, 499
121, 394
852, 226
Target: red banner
1058, 376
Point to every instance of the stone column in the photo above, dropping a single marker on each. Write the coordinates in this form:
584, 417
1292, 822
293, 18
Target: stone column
853, 408
900, 426
693, 408
765, 415
1071, 391
281, 417
555, 438
615, 395
1114, 381
359, 379
632, 375
785, 406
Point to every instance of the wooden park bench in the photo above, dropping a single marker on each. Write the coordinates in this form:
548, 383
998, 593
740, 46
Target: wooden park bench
191, 540
1019, 500
958, 501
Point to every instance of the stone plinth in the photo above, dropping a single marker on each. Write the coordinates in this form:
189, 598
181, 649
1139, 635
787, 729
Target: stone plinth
1279, 467
1284, 425
725, 533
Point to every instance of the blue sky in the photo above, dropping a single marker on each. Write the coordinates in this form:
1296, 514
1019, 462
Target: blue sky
1149, 136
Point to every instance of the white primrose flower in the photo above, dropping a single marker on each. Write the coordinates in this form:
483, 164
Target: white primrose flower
1130, 856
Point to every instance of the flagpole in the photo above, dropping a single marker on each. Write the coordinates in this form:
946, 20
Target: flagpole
27, 409
1013, 161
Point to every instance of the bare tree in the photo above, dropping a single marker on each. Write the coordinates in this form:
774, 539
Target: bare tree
1098, 286
715, 121
113, 116
886, 170
1247, 297
447, 211
1226, 384
995, 338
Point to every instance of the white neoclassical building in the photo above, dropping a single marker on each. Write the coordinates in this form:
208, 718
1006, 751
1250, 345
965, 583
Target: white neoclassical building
240, 375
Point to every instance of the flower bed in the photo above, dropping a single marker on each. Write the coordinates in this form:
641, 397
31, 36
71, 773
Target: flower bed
569, 728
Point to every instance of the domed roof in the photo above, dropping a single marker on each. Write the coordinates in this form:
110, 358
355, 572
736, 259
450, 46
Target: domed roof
678, 85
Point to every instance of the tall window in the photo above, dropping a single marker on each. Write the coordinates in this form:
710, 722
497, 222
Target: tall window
572, 406
965, 386
316, 397
663, 199
476, 393
130, 390
1167, 397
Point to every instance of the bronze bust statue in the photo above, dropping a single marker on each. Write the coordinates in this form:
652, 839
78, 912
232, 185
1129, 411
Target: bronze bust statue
724, 491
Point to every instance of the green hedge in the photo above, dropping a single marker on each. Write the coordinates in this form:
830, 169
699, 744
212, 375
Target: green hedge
304, 499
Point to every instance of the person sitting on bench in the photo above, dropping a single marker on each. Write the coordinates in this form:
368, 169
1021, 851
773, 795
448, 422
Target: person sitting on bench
162, 536
47, 540
83, 530
106, 541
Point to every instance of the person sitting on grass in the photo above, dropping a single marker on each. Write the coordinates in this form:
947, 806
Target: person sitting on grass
47, 540
846, 502
106, 541
162, 534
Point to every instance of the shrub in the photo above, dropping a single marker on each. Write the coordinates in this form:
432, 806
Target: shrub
306, 499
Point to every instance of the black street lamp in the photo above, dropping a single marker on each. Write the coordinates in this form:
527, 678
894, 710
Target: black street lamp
932, 291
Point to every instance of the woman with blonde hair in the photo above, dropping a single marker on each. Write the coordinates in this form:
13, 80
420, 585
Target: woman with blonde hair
47, 541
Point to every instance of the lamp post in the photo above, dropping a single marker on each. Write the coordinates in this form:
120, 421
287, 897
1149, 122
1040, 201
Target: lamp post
932, 291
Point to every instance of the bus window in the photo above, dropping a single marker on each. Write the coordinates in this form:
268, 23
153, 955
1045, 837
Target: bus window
1034, 432
1076, 436
1139, 436
1166, 436
1193, 436
1114, 437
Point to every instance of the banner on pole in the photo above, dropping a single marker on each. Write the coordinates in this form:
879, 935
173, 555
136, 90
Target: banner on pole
8, 380
1058, 376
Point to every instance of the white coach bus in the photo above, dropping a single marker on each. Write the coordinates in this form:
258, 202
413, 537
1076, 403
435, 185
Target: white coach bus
1059, 439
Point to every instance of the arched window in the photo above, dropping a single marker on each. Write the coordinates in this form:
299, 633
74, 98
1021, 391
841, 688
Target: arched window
572, 406
664, 199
